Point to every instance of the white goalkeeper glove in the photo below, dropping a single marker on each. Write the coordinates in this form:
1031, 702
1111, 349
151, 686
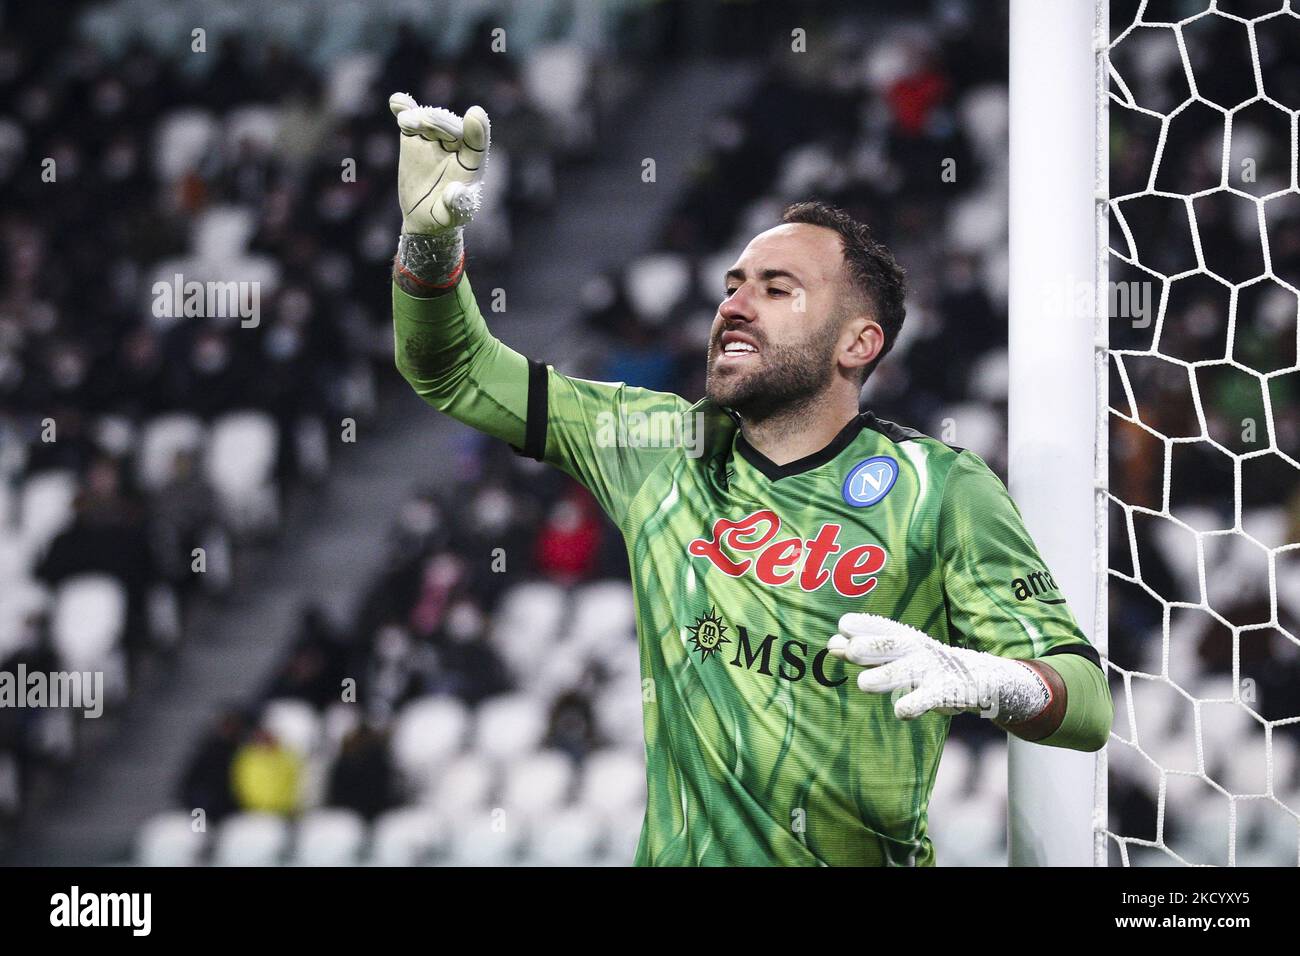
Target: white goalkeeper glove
440, 166
943, 679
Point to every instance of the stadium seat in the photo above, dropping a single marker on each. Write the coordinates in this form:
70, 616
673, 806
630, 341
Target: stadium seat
257, 124
483, 838
251, 839
404, 837
340, 720
45, 508
570, 837
509, 726
462, 786
88, 620
538, 784
623, 836
222, 233
556, 78
604, 615
181, 141
426, 732
527, 624
241, 467
170, 839
613, 782
619, 709
294, 723
655, 284
329, 838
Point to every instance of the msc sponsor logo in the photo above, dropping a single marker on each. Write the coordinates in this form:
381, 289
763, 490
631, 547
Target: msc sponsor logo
789, 656
870, 481
1035, 585
779, 560
708, 634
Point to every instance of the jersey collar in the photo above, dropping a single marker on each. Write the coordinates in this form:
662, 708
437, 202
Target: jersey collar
774, 472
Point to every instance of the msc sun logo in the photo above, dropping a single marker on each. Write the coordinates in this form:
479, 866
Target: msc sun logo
708, 634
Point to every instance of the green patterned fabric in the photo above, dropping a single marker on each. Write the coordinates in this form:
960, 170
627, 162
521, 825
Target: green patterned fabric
760, 749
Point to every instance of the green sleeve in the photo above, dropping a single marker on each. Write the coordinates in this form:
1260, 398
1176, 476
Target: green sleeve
1002, 598
444, 350
607, 435
1089, 709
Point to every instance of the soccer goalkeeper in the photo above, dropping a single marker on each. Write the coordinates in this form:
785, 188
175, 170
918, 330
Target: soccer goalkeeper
817, 590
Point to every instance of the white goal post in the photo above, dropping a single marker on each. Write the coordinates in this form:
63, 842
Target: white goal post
1056, 417
1154, 417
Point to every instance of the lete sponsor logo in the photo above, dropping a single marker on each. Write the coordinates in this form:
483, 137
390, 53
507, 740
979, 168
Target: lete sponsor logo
753, 545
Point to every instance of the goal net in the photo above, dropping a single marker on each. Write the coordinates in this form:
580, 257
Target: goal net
1203, 496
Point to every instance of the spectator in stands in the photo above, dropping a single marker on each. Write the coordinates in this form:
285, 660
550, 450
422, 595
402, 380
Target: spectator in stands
109, 535
266, 776
568, 544
316, 664
469, 668
206, 783
362, 779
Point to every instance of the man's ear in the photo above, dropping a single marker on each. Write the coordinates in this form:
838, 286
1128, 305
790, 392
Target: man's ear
868, 341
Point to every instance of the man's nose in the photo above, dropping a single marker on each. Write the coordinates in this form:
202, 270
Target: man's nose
737, 306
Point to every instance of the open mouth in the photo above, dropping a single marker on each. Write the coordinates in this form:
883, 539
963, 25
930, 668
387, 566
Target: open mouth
736, 346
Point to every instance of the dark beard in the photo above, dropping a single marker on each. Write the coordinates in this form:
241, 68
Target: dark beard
788, 379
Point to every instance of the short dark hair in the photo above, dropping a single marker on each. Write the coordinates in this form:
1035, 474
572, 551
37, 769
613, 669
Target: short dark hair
873, 271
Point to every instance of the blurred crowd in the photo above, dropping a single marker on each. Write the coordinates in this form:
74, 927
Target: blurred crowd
139, 446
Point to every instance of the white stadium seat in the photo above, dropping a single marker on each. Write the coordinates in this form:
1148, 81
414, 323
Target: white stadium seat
295, 724
510, 726
426, 733
181, 140
170, 839
463, 786
45, 507
569, 837
538, 784
527, 624
621, 841
613, 781
223, 232
251, 839
403, 837
655, 283
329, 838
241, 467
604, 615
88, 620
484, 838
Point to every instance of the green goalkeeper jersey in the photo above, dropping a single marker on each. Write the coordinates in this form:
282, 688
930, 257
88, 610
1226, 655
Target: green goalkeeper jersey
760, 749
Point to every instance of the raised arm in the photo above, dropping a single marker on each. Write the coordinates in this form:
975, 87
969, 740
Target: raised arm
443, 348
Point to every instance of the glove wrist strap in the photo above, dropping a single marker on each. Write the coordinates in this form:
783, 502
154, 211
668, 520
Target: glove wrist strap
428, 265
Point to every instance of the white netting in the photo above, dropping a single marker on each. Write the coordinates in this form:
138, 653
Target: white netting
1204, 433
